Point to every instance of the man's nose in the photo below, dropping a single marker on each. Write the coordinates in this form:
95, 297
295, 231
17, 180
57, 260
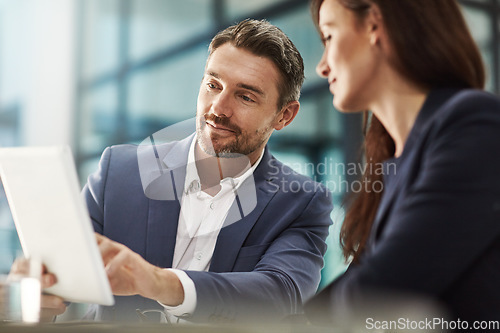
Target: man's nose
222, 105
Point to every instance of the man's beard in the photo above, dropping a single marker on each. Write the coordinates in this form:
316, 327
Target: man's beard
242, 144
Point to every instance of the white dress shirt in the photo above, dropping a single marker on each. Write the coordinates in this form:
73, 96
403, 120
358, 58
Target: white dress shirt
200, 221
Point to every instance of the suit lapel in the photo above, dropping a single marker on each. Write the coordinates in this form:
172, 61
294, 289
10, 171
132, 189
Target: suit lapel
252, 198
242, 217
163, 215
384, 207
162, 232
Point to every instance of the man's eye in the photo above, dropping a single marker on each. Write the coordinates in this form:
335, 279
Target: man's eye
211, 85
247, 99
326, 39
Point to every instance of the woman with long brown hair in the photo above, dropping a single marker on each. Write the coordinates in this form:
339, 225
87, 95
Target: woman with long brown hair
434, 231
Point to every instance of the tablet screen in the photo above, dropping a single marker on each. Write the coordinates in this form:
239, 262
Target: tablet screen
52, 220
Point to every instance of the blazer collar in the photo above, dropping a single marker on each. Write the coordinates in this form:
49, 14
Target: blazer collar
163, 214
177, 156
251, 200
252, 197
435, 99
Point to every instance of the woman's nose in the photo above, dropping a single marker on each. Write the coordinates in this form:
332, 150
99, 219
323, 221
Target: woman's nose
322, 68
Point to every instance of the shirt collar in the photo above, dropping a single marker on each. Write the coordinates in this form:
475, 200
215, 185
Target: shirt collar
192, 182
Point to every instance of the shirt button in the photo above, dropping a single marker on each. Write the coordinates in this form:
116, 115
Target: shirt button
196, 185
212, 205
198, 255
193, 187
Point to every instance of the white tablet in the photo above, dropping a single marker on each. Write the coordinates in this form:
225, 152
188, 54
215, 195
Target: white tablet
53, 222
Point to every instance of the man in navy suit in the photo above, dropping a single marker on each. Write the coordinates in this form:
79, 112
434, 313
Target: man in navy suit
212, 227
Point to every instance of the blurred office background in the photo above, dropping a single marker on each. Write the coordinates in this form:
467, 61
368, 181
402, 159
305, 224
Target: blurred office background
93, 73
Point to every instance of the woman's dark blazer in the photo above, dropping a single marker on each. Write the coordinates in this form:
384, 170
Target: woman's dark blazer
437, 230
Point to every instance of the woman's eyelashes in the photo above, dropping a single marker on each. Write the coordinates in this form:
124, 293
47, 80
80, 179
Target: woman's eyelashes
326, 39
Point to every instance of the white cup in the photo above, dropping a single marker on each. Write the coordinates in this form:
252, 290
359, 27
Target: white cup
20, 293
10, 299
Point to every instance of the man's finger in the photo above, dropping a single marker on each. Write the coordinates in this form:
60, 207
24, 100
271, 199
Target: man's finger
20, 266
52, 302
109, 250
51, 306
48, 280
99, 237
120, 261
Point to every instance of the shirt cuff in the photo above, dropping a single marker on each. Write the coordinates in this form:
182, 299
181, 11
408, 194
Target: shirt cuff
187, 307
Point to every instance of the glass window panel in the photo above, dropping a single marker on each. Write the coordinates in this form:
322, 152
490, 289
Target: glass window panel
87, 168
299, 27
333, 119
487, 55
166, 93
479, 22
101, 37
305, 123
9, 242
316, 118
296, 161
333, 173
99, 119
158, 24
237, 9
9, 126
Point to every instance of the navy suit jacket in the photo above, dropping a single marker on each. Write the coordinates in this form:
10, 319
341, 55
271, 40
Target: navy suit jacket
437, 230
267, 263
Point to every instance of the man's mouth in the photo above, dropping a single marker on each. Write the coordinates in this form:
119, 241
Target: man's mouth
219, 127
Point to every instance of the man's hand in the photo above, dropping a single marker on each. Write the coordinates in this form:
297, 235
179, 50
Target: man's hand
50, 305
130, 274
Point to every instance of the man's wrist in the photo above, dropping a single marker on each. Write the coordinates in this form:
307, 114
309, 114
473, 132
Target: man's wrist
168, 288
190, 299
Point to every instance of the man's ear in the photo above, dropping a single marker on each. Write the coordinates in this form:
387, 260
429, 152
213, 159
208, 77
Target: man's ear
286, 115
